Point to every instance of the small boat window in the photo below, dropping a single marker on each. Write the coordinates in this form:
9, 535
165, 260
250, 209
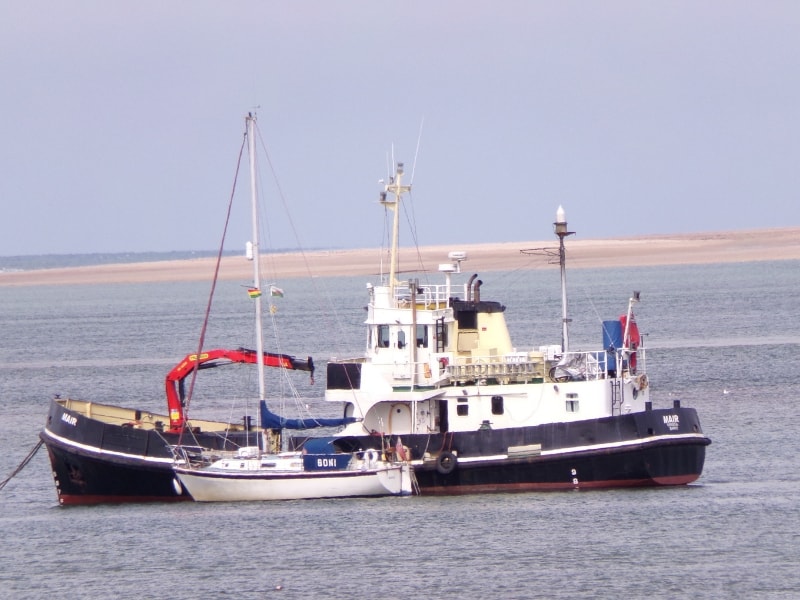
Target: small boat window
401, 339
497, 405
572, 406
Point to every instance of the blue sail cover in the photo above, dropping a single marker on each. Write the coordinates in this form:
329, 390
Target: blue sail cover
269, 420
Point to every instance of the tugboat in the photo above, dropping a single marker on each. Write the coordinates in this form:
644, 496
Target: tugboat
442, 383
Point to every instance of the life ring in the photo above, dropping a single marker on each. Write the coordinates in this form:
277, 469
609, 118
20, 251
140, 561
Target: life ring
446, 463
371, 456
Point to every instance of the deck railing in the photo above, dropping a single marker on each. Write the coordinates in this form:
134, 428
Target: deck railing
428, 297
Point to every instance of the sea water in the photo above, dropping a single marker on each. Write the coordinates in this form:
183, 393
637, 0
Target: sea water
724, 339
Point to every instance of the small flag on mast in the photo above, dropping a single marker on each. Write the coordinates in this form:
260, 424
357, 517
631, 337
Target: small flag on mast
275, 291
254, 292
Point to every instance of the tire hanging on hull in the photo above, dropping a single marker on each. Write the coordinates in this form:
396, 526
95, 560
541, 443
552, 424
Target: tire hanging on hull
446, 463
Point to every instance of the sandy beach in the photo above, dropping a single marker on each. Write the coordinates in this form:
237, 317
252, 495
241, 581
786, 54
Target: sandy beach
695, 248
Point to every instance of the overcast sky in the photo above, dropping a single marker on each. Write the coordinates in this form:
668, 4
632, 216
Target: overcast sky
120, 122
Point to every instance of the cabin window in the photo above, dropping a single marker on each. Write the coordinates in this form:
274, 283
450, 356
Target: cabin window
401, 339
462, 408
422, 336
383, 336
572, 406
497, 405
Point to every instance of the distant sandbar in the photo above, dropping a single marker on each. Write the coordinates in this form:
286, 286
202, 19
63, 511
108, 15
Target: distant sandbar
677, 249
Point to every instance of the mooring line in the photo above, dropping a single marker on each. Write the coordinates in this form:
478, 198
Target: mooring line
22, 464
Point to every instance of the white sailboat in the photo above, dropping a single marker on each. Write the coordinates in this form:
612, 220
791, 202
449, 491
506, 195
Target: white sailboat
253, 473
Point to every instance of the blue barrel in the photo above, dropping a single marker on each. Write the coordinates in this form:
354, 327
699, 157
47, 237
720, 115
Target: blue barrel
612, 341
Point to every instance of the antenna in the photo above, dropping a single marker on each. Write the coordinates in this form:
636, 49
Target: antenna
396, 188
416, 153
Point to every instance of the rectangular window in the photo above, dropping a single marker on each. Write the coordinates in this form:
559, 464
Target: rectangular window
422, 336
497, 405
383, 336
462, 410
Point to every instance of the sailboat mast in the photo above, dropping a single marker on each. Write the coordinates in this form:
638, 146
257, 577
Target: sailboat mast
251, 146
395, 188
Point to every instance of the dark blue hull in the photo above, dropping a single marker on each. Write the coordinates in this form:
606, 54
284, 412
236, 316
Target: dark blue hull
650, 448
95, 462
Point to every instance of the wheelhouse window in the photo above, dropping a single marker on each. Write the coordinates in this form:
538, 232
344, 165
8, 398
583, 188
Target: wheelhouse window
422, 336
401, 339
383, 336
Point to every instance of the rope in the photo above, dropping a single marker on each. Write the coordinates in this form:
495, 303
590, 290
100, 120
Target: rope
213, 288
21, 466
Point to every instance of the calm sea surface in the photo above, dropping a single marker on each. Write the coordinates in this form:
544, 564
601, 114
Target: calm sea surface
723, 338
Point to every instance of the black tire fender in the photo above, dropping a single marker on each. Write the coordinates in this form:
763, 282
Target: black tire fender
446, 463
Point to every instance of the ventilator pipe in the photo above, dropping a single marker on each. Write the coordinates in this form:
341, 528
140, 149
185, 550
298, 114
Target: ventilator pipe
469, 286
477, 292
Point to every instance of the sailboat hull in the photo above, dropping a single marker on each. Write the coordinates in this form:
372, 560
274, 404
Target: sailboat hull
211, 486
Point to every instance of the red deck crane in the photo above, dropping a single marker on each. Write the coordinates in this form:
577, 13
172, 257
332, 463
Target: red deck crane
215, 358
